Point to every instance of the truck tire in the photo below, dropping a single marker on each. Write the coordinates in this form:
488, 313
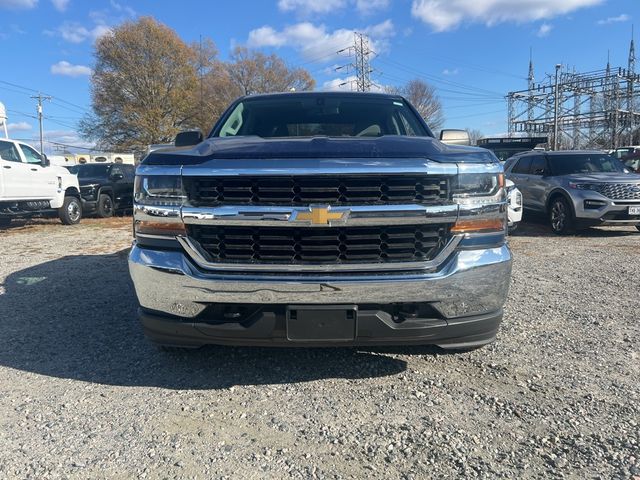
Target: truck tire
561, 216
5, 222
71, 211
105, 206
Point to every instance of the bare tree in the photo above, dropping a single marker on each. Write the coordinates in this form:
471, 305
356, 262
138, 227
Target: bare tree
424, 98
254, 72
142, 86
474, 135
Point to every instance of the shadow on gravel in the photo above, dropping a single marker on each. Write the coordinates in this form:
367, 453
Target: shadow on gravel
76, 318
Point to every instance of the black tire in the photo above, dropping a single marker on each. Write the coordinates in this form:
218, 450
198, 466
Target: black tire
561, 217
105, 206
512, 228
5, 222
71, 211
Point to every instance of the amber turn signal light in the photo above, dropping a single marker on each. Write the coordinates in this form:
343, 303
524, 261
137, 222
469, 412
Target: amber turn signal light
478, 225
164, 229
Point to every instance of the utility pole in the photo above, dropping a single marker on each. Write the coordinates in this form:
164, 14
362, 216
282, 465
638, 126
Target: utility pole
555, 110
631, 74
40, 98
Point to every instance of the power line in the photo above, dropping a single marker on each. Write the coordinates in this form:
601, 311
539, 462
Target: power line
435, 79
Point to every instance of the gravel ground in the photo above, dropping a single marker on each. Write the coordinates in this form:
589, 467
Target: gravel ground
83, 395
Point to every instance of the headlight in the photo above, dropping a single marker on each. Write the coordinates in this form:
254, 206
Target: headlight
582, 186
477, 187
159, 190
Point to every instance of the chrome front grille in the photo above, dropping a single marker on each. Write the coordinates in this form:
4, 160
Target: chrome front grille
619, 191
325, 246
322, 189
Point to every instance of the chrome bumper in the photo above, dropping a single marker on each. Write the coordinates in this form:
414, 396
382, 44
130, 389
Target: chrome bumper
469, 282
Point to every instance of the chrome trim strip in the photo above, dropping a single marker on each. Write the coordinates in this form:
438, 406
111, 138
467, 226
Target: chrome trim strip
286, 216
148, 213
222, 167
199, 256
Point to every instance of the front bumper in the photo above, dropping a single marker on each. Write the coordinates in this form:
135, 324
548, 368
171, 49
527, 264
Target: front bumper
465, 296
605, 211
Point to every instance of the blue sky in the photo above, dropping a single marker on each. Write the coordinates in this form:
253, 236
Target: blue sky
473, 51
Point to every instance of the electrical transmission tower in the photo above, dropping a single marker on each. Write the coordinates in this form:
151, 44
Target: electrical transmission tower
598, 109
361, 64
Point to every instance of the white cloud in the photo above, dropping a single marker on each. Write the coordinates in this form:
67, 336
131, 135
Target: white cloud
65, 68
18, 4
444, 15
367, 7
60, 5
316, 42
450, 71
121, 8
623, 17
544, 30
310, 6
75, 32
340, 84
19, 127
66, 137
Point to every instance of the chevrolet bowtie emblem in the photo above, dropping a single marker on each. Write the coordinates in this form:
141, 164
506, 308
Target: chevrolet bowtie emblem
320, 215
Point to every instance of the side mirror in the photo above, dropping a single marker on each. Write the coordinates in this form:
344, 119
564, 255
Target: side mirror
188, 138
44, 161
117, 176
455, 137
540, 171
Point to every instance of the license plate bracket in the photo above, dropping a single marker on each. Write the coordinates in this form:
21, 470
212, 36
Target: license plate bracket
635, 210
322, 323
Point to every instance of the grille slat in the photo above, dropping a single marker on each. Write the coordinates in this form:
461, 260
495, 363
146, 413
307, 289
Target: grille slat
325, 245
295, 191
619, 191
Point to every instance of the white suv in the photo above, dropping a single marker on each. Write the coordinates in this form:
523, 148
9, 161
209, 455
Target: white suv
29, 185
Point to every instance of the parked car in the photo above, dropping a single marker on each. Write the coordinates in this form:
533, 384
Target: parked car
577, 188
317, 219
105, 188
514, 203
623, 152
632, 161
29, 185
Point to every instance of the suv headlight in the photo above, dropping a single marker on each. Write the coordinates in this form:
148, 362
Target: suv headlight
582, 186
159, 190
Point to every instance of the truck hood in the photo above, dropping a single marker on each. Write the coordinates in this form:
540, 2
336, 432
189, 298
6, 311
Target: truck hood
258, 148
603, 178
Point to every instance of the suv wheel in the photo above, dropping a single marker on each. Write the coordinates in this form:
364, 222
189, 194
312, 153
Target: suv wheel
561, 216
71, 211
105, 206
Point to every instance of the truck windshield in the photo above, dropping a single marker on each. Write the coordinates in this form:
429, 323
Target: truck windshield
584, 163
321, 115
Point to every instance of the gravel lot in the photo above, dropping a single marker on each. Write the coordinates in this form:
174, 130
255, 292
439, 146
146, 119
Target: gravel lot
83, 395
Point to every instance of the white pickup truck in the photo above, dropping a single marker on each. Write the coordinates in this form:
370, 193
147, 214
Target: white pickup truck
30, 185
